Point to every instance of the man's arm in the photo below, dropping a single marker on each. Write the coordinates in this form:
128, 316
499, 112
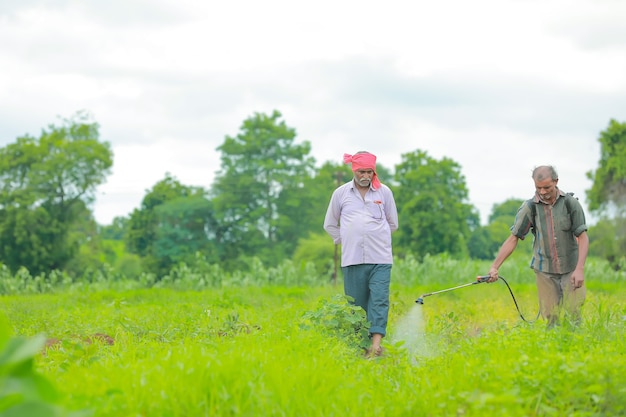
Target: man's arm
578, 277
506, 249
331, 221
392, 212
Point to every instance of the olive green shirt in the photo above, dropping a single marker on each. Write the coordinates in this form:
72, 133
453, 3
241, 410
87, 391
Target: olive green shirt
555, 228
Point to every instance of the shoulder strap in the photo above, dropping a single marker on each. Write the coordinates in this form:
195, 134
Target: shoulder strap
568, 201
533, 207
533, 213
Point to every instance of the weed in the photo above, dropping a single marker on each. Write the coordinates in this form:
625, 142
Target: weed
23, 390
339, 318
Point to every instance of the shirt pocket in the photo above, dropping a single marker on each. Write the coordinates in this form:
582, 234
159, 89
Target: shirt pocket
565, 223
376, 209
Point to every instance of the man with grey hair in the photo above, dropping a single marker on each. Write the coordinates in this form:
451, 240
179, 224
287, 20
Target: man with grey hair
560, 246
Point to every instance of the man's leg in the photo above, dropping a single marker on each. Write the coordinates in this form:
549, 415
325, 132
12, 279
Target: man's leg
550, 295
378, 305
573, 298
355, 283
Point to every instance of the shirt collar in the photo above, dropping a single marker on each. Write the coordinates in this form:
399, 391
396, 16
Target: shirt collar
559, 194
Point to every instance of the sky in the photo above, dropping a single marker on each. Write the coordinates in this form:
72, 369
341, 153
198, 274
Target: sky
498, 86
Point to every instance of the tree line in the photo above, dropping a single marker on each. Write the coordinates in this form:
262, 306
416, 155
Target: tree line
267, 203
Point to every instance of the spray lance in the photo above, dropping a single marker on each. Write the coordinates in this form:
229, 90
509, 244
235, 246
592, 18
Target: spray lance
479, 280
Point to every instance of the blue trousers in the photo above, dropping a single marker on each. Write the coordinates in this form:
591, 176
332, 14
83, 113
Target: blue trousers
368, 284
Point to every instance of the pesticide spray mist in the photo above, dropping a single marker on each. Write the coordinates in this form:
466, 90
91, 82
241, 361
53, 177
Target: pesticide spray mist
410, 330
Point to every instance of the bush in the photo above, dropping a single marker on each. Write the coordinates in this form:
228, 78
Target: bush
341, 319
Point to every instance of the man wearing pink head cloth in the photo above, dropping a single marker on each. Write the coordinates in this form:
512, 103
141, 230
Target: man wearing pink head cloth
361, 216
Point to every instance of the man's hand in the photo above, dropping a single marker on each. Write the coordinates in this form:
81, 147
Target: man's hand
578, 278
493, 274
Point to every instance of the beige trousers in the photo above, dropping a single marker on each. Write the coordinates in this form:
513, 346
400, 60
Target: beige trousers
556, 294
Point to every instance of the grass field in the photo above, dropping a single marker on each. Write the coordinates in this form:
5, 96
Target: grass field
245, 352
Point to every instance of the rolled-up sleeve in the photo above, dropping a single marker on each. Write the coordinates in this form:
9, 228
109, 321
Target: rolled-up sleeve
523, 221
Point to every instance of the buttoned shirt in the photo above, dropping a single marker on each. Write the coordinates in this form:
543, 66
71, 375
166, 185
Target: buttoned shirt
556, 226
362, 225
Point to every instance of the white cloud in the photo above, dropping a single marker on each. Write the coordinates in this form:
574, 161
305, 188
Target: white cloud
497, 85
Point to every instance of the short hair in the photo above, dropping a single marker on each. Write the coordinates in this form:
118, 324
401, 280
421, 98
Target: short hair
542, 172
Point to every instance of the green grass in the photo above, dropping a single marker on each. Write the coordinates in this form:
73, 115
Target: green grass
243, 352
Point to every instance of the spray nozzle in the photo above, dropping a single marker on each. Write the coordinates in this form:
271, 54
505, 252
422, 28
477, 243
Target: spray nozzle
482, 278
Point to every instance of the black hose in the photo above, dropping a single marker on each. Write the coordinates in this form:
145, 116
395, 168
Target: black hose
516, 306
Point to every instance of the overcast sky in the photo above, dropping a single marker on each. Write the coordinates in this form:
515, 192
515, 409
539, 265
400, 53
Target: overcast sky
499, 86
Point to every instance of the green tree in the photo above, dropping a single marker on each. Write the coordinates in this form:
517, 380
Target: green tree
112, 249
481, 244
116, 230
608, 189
186, 227
306, 227
89, 256
146, 230
262, 178
505, 211
607, 196
317, 248
485, 241
435, 216
301, 208
608, 240
46, 187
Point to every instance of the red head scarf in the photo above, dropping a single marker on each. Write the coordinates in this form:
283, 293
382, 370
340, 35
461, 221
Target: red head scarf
363, 161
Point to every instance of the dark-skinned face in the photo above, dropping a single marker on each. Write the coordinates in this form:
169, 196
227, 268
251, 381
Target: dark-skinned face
363, 177
546, 189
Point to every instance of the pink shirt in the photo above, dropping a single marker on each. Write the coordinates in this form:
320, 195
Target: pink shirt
362, 226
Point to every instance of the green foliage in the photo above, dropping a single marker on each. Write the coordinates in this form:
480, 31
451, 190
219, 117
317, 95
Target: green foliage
266, 205
482, 244
116, 230
142, 226
505, 211
301, 209
261, 188
286, 273
609, 179
338, 317
245, 352
202, 275
186, 227
485, 241
438, 270
607, 195
35, 239
128, 266
319, 250
46, 187
111, 250
171, 225
608, 242
432, 203
23, 390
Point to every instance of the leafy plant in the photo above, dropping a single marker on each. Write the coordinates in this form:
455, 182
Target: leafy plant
233, 325
23, 390
464, 353
339, 318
